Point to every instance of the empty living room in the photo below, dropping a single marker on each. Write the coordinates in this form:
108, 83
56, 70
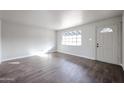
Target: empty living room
61, 46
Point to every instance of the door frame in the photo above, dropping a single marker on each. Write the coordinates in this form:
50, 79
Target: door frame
119, 41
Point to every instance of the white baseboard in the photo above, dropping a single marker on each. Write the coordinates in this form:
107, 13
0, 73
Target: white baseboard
123, 67
85, 57
76, 55
15, 58
7, 59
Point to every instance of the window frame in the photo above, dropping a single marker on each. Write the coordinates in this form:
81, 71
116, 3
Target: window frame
72, 38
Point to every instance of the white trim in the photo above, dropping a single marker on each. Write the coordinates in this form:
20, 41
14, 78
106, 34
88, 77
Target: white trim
109, 62
7, 59
87, 57
76, 55
122, 67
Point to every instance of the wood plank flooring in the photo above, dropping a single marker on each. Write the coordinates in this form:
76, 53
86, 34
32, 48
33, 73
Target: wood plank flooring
59, 68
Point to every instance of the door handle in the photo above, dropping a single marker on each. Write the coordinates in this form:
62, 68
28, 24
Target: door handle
97, 45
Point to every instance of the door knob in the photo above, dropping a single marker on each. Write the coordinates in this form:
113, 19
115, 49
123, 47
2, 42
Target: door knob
97, 45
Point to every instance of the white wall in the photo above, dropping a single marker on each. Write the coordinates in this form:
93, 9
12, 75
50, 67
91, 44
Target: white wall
88, 47
0, 41
123, 41
21, 40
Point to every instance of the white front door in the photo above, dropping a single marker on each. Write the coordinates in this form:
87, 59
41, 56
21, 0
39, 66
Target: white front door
108, 43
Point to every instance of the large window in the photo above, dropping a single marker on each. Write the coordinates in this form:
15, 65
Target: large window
72, 38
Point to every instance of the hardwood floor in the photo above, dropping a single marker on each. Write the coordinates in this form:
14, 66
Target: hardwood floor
59, 68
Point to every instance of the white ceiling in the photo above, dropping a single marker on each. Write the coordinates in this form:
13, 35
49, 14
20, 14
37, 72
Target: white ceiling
57, 19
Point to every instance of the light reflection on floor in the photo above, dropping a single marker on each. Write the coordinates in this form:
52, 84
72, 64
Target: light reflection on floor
16, 62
